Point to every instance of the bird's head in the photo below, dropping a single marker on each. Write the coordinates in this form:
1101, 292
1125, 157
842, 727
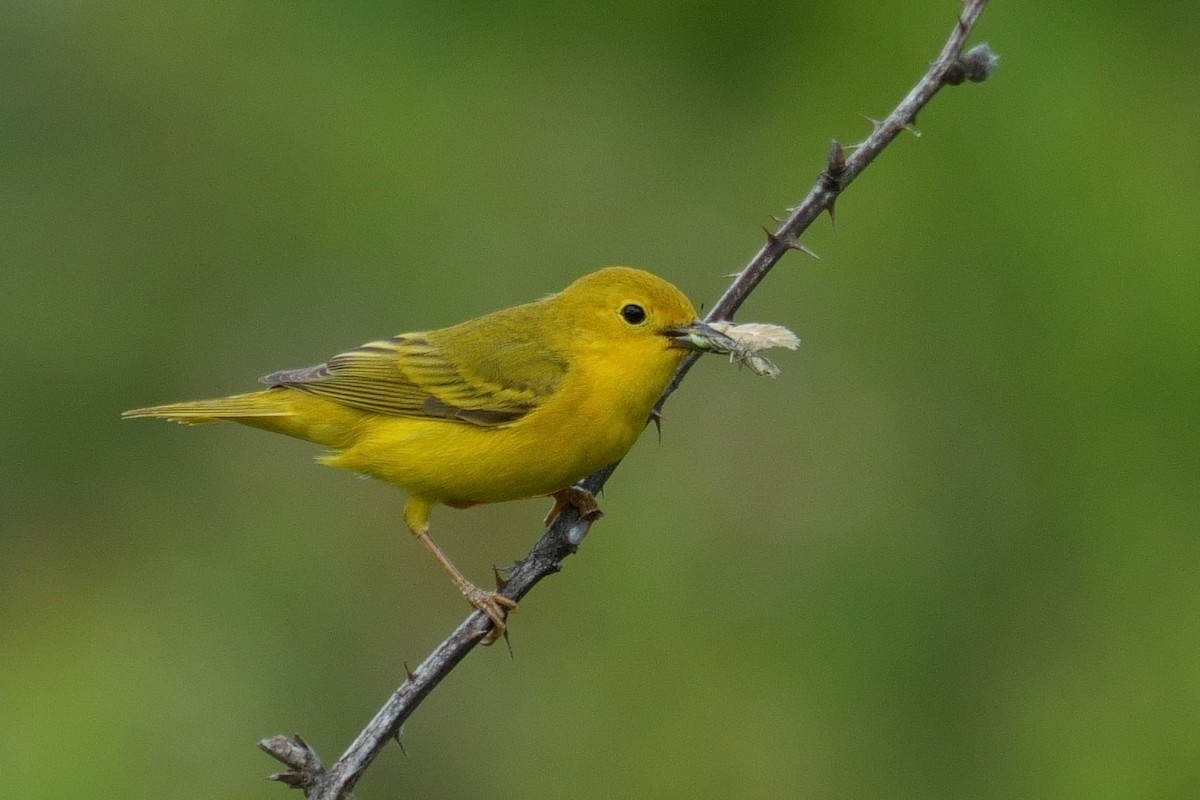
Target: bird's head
633, 311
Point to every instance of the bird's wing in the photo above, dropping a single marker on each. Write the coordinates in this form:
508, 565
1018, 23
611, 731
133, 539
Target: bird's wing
410, 375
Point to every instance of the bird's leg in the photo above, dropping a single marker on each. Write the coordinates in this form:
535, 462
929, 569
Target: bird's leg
582, 499
495, 605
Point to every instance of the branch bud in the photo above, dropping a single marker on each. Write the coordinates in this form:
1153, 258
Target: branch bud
975, 65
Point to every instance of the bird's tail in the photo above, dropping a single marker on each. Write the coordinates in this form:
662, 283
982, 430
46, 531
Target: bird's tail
278, 409
239, 408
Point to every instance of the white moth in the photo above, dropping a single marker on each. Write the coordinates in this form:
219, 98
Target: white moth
750, 337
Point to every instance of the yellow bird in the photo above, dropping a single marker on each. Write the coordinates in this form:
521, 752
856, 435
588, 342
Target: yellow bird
519, 403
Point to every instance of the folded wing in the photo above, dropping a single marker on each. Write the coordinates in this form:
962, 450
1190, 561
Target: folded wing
469, 380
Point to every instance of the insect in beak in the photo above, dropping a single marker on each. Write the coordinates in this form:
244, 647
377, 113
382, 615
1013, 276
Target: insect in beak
699, 336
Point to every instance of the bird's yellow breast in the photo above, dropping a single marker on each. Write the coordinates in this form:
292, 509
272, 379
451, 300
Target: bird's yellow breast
593, 420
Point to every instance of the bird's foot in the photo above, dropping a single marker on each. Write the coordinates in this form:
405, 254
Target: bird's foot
494, 605
583, 500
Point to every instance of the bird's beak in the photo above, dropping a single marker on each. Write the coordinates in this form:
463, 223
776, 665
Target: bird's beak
700, 337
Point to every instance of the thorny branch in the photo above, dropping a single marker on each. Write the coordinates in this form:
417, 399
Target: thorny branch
952, 67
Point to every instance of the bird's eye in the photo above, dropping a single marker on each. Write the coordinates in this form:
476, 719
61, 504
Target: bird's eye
633, 314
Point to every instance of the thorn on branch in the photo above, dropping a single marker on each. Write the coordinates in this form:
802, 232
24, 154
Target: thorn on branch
790, 244
399, 741
876, 124
801, 248
501, 580
975, 65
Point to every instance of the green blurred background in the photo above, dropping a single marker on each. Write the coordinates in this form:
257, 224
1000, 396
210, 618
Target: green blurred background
951, 552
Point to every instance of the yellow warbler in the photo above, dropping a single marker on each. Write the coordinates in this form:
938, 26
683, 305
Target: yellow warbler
519, 403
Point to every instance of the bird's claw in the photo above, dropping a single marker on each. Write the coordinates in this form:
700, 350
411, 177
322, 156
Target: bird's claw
495, 607
583, 500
